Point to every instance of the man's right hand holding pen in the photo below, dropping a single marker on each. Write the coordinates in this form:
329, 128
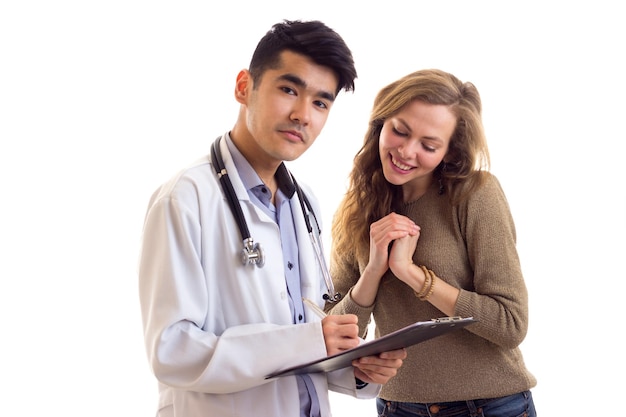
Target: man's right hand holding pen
341, 333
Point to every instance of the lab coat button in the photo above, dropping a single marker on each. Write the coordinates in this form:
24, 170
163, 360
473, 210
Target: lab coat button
283, 295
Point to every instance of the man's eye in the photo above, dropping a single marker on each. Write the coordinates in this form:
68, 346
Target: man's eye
321, 104
288, 90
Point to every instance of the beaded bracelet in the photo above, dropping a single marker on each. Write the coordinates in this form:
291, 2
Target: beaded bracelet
431, 289
429, 284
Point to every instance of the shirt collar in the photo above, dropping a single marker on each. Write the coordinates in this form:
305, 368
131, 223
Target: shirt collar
251, 179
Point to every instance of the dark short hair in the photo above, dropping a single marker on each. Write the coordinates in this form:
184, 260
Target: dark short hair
311, 38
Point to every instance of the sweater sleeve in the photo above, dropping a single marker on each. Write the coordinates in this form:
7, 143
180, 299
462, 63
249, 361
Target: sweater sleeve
345, 273
499, 300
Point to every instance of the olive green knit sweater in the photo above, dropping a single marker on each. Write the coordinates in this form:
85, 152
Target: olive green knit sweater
472, 247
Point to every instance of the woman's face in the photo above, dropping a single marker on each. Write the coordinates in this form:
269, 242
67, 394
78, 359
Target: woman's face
412, 144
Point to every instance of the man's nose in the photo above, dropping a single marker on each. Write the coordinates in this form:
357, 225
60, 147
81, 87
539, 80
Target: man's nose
301, 113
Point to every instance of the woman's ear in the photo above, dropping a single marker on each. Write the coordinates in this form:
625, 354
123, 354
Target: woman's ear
244, 82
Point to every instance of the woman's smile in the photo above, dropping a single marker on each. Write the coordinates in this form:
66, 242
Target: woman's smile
398, 164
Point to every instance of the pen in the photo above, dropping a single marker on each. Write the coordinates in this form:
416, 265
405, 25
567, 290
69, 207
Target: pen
314, 307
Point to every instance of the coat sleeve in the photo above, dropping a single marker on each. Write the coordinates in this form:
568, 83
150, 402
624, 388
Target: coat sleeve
189, 347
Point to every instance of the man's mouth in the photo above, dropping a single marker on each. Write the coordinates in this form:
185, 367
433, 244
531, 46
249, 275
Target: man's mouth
293, 134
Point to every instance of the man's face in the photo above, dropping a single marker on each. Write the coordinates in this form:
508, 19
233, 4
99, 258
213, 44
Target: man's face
287, 108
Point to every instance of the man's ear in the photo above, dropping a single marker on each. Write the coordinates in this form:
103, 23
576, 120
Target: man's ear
243, 84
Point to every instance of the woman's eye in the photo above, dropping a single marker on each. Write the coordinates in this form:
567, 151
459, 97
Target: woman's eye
397, 132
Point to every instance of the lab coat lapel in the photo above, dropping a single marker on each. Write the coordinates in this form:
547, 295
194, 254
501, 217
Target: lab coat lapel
310, 272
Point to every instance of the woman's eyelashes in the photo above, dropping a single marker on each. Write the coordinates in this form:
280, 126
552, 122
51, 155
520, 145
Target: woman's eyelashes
425, 146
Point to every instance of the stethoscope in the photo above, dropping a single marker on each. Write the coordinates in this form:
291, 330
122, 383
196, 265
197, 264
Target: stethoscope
252, 253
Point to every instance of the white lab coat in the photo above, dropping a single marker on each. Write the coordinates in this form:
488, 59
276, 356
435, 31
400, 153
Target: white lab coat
215, 328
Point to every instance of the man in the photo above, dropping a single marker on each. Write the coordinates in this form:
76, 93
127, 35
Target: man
218, 321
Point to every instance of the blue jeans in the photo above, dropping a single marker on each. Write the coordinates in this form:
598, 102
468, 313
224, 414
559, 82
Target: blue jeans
516, 405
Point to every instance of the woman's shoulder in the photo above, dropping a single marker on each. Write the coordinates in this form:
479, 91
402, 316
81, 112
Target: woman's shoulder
489, 200
487, 191
489, 182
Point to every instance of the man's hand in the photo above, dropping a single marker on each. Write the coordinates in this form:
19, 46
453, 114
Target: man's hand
341, 332
380, 368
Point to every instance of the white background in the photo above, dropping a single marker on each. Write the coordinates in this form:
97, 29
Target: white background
102, 101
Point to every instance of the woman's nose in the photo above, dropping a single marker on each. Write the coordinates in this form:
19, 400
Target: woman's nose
408, 149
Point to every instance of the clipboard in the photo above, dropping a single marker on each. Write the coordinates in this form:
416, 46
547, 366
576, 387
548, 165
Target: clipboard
410, 335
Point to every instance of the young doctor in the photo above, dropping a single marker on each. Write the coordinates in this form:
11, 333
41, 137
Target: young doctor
227, 257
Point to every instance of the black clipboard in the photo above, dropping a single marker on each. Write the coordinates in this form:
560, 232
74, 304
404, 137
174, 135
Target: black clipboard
405, 337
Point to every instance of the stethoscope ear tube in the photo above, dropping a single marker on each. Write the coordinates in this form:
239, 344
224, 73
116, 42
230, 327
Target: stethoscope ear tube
252, 253
316, 242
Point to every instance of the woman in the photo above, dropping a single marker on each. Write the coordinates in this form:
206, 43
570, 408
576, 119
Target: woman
425, 231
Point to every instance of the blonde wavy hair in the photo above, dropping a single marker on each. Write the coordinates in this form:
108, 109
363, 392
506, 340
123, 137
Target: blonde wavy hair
370, 197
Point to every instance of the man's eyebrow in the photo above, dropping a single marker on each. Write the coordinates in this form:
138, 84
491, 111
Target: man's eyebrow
294, 79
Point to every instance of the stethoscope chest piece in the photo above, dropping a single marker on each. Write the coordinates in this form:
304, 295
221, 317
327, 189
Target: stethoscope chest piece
252, 253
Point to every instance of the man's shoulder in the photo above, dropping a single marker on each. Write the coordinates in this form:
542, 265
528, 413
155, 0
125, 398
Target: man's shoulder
189, 180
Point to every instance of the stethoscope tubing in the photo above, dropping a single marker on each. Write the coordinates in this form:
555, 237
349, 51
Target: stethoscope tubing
316, 242
227, 186
252, 253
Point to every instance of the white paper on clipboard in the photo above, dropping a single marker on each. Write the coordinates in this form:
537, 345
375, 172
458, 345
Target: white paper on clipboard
402, 338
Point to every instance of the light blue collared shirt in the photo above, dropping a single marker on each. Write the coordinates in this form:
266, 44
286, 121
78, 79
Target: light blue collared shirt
261, 196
